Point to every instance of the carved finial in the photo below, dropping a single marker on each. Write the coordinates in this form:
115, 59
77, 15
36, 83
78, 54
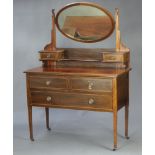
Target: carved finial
53, 10
117, 10
53, 13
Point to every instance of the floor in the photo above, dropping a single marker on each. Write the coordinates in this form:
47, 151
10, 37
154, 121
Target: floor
75, 133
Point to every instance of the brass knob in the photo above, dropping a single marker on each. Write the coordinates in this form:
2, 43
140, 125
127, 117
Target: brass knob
49, 98
90, 85
91, 101
48, 55
48, 83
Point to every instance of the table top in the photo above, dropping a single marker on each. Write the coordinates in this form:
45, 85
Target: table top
78, 71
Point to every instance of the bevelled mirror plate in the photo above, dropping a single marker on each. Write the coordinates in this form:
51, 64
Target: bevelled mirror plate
85, 22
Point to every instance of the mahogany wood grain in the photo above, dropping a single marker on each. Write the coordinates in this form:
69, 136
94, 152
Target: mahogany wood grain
76, 93
91, 54
84, 53
54, 55
122, 87
91, 84
116, 57
47, 118
48, 82
126, 119
30, 122
88, 64
115, 112
78, 71
127, 109
97, 109
29, 108
52, 46
87, 57
119, 44
103, 101
117, 27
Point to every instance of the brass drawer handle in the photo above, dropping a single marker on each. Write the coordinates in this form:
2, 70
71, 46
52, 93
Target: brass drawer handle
48, 56
48, 83
91, 101
90, 85
48, 98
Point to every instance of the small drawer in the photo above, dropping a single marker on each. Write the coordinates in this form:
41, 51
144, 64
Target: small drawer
52, 55
91, 84
48, 82
46, 55
72, 99
113, 57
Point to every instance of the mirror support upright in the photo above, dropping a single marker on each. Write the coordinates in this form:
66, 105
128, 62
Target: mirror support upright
117, 29
52, 45
119, 45
50, 55
53, 32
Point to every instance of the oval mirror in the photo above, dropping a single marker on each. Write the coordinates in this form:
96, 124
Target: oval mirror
85, 22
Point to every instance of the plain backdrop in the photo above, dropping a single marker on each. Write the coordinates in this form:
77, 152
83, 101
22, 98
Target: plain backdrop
73, 132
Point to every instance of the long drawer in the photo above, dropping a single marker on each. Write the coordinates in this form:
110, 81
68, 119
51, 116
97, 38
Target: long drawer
71, 99
91, 84
48, 82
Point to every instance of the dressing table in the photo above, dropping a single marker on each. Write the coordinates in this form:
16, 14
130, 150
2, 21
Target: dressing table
82, 78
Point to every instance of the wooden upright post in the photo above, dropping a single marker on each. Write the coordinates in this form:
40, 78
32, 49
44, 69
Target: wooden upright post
117, 30
51, 47
115, 112
50, 55
119, 45
53, 34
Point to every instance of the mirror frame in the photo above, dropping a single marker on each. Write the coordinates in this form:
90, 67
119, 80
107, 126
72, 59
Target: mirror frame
86, 4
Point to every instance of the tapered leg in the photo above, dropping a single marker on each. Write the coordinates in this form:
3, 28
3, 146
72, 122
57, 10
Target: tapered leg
126, 120
47, 118
30, 122
115, 129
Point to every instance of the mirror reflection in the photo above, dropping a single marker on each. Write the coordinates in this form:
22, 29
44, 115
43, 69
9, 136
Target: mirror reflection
85, 23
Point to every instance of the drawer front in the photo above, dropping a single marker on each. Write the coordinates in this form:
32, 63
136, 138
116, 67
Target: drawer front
91, 84
48, 82
113, 58
51, 55
46, 55
72, 99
